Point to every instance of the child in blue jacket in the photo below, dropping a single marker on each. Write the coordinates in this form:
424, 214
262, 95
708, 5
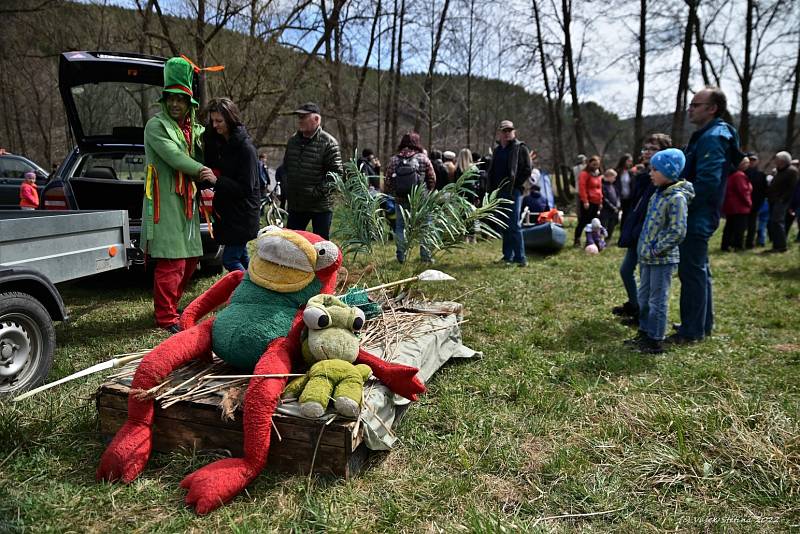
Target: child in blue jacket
664, 229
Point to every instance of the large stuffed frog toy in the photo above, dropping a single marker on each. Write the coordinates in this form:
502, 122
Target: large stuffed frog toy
330, 346
258, 331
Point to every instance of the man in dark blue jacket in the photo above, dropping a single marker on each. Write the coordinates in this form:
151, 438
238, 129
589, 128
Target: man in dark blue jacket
511, 168
711, 149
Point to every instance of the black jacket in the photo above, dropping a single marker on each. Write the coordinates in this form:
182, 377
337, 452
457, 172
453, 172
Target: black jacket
514, 166
758, 180
308, 160
237, 191
441, 173
643, 189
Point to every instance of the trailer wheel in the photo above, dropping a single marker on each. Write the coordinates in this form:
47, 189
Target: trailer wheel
27, 342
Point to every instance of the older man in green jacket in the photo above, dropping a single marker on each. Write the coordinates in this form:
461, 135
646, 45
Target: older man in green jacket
311, 153
170, 214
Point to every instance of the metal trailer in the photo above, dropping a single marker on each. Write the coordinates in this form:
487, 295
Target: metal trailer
39, 249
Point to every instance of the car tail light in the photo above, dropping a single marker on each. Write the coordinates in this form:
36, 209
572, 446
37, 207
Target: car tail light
55, 199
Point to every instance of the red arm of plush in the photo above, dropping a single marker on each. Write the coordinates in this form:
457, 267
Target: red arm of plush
214, 297
401, 379
217, 483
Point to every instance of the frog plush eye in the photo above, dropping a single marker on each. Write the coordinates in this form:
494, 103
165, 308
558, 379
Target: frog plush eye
327, 254
316, 318
358, 322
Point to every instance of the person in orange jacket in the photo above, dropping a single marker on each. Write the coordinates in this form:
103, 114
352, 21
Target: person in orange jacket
590, 190
28, 194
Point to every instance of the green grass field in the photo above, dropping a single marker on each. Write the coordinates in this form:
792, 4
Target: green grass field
557, 418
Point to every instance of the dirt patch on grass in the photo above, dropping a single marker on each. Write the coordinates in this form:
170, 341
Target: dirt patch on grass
508, 493
537, 450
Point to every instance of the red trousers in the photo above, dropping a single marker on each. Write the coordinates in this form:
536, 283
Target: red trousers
169, 282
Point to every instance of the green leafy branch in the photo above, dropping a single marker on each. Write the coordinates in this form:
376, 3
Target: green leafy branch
363, 223
438, 220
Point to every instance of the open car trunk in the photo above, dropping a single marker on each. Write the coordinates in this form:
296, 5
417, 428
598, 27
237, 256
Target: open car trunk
100, 194
109, 96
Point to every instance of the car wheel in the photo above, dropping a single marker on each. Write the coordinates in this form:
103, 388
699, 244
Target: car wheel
27, 342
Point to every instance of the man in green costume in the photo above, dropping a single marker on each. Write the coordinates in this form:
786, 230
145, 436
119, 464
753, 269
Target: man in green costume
170, 215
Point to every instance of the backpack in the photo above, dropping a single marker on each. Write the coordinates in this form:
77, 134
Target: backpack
407, 174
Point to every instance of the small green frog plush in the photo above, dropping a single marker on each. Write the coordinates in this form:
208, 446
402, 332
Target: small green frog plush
330, 346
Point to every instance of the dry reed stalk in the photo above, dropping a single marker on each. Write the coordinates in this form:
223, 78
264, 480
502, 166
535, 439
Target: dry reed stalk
200, 391
199, 376
279, 375
275, 428
231, 400
165, 403
316, 447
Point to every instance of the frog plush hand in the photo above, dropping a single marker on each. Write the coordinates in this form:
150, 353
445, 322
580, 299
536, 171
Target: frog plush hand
330, 347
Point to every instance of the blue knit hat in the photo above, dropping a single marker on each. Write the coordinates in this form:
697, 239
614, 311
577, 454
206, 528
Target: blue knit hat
669, 162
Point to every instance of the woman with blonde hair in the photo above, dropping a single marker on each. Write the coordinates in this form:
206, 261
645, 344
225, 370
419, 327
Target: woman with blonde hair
464, 163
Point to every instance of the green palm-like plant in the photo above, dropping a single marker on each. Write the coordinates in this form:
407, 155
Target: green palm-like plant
363, 224
438, 220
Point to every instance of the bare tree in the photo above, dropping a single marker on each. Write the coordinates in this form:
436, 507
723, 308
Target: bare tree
333, 62
679, 116
791, 134
362, 75
553, 105
577, 121
390, 93
640, 77
398, 67
428, 87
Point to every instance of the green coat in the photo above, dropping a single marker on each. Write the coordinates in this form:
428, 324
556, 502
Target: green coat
174, 236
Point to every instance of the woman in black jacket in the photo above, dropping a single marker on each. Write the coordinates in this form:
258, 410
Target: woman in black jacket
230, 153
642, 190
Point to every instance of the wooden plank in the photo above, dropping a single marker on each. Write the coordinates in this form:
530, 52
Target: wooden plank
199, 426
339, 433
286, 455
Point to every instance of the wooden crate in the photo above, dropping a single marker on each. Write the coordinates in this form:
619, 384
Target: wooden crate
198, 425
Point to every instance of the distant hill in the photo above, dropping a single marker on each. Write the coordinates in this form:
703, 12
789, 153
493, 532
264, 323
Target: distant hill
33, 121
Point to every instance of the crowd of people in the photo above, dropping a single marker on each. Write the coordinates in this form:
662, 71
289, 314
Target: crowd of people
666, 205
672, 206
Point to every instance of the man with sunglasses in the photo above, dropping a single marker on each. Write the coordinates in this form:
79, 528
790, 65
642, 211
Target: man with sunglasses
511, 168
711, 155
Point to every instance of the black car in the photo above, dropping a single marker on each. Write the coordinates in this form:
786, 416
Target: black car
12, 173
109, 97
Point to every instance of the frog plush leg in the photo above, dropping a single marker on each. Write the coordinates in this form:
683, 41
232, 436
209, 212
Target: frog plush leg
349, 391
212, 298
217, 483
401, 379
129, 451
294, 388
314, 400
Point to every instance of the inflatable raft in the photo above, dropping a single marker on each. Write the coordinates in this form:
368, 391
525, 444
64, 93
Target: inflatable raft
545, 237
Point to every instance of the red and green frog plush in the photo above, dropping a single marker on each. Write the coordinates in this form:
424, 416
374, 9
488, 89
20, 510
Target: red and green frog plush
259, 332
330, 346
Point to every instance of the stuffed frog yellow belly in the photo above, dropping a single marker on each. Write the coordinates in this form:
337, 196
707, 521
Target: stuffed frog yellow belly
330, 346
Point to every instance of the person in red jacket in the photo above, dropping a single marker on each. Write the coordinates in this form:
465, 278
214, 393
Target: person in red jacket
590, 191
736, 207
28, 194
